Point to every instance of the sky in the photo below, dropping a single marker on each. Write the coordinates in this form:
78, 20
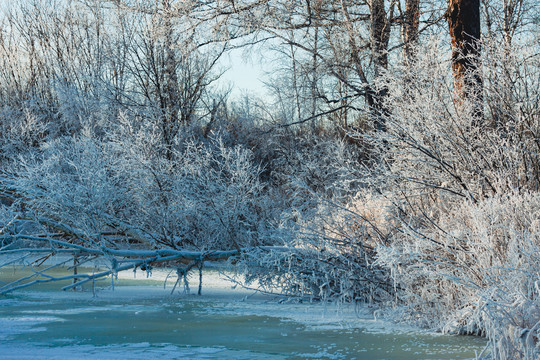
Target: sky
245, 73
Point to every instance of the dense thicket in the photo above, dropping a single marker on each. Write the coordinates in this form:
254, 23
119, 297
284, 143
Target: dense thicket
368, 174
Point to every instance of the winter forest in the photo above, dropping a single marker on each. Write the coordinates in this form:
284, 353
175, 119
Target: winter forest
393, 160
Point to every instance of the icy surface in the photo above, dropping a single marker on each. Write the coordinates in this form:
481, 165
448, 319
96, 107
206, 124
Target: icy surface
145, 321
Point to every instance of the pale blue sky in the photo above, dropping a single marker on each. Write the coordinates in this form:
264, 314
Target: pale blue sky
245, 73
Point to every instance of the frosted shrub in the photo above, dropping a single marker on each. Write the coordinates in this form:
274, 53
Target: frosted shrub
122, 193
504, 234
20, 131
465, 258
208, 196
479, 277
70, 178
432, 143
308, 167
318, 266
329, 236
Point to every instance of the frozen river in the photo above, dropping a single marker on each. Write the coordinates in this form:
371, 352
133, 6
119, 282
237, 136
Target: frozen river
141, 320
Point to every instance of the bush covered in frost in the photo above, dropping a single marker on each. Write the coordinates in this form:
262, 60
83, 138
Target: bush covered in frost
464, 257
207, 197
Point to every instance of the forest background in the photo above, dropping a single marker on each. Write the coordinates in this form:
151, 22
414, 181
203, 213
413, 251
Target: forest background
394, 159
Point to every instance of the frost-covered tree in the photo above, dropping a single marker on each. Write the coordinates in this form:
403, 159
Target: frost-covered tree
78, 64
122, 201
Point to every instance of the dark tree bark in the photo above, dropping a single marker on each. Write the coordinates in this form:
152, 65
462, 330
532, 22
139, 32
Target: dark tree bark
410, 28
464, 23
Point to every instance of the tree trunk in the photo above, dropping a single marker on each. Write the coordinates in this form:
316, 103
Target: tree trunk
380, 36
464, 23
170, 112
410, 28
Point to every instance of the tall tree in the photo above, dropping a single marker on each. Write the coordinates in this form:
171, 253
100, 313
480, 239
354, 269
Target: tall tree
380, 37
464, 23
409, 29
